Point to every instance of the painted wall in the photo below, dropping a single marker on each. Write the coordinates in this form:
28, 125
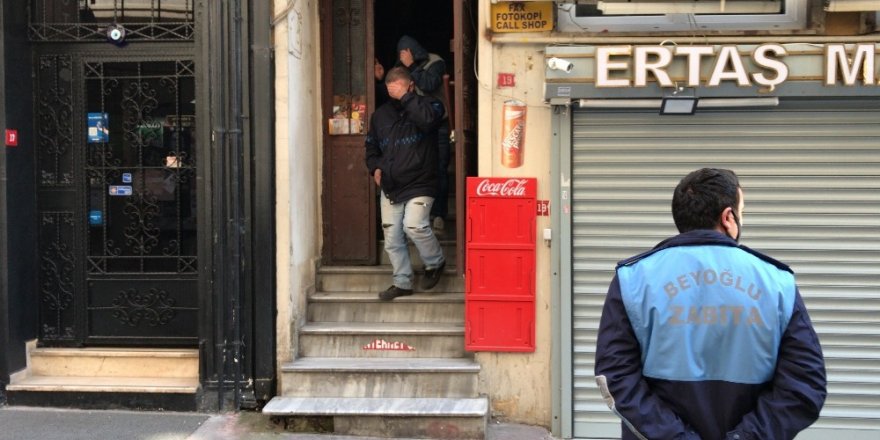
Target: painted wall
298, 138
518, 385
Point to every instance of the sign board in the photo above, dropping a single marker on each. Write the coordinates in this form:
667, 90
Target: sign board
11, 138
522, 16
506, 80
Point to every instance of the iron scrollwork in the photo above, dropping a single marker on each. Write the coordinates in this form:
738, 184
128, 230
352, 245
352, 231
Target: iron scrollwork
55, 121
57, 266
155, 307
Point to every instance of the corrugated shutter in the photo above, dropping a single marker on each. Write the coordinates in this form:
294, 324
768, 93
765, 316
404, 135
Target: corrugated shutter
811, 173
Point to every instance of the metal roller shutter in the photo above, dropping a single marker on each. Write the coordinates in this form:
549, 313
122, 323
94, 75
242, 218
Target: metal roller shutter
811, 171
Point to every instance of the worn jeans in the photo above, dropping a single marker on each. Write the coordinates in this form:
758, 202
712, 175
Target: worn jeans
409, 219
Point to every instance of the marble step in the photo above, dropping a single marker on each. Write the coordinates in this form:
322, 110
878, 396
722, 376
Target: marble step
378, 340
383, 377
113, 362
366, 307
104, 384
448, 249
378, 278
434, 418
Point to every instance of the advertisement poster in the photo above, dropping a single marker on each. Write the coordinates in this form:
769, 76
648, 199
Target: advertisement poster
98, 128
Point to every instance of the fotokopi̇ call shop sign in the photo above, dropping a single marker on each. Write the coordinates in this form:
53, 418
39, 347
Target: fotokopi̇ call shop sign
522, 16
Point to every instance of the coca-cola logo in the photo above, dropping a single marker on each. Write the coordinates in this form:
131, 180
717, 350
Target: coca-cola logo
508, 188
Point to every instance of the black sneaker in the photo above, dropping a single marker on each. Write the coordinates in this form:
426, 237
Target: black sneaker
432, 276
393, 292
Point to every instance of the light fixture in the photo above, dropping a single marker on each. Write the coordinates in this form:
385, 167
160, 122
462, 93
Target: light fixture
678, 105
682, 101
852, 5
650, 7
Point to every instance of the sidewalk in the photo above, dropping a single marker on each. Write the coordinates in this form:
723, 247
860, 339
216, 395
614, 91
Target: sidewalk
21, 423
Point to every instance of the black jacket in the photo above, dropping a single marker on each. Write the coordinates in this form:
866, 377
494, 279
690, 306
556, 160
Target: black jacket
402, 142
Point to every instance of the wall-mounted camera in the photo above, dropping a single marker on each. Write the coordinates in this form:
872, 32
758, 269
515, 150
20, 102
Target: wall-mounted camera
560, 64
116, 34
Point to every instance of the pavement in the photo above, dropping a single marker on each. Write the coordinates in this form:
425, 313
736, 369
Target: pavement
23, 423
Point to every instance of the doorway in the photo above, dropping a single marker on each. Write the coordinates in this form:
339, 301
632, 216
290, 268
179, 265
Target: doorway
361, 32
118, 228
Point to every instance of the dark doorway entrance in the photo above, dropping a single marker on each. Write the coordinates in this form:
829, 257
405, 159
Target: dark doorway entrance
354, 34
118, 230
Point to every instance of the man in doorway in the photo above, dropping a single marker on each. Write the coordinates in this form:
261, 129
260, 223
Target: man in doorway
703, 338
402, 158
427, 70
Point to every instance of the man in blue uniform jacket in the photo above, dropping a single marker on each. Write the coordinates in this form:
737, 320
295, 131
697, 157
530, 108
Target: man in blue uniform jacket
703, 338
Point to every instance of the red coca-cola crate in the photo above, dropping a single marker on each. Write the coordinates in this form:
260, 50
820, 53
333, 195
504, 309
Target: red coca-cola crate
500, 264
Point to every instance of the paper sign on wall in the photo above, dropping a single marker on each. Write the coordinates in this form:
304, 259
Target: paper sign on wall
98, 128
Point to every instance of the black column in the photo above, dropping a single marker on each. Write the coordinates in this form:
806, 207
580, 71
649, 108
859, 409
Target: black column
238, 343
19, 295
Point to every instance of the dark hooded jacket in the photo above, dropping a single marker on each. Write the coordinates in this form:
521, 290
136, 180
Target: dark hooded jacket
427, 70
402, 142
702, 338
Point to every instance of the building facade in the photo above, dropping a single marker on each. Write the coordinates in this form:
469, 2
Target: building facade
137, 214
786, 95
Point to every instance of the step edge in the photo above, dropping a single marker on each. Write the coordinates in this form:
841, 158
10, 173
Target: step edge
372, 297
69, 384
372, 270
89, 352
99, 389
466, 366
377, 329
334, 406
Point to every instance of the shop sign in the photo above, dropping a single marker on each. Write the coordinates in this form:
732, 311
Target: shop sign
630, 66
522, 16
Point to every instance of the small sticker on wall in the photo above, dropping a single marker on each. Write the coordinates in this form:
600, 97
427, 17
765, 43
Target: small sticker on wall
126, 177
383, 345
506, 80
120, 190
96, 217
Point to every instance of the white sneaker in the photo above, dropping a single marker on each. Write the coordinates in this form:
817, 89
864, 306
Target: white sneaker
439, 224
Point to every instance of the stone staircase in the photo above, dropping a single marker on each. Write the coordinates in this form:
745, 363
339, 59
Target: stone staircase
165, 379
385, 369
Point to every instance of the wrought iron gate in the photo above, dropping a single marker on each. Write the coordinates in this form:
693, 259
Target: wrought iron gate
118, 224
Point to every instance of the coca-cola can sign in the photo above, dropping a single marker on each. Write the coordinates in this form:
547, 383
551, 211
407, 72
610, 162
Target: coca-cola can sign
505, 187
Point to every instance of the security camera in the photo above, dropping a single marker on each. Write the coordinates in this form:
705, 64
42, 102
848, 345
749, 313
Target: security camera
116, 34
560, 64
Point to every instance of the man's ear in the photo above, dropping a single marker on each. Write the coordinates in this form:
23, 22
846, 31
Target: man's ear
727, 220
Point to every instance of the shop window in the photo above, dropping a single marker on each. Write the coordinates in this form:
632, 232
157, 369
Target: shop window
681, 15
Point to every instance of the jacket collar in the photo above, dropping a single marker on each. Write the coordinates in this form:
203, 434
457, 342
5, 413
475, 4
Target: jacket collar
701, 237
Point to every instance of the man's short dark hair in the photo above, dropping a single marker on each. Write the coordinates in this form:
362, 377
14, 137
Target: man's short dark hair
701, 196
397, 73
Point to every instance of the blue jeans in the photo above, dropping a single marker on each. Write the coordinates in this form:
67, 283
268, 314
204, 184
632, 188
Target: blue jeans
409, 219
441, 208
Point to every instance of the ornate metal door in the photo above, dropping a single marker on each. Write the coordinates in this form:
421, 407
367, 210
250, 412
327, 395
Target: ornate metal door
118, 224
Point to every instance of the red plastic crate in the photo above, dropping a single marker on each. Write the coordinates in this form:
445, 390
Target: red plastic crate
500, 264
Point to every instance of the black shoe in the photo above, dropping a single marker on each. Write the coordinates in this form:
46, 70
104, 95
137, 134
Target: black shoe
432, 276
393, 292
